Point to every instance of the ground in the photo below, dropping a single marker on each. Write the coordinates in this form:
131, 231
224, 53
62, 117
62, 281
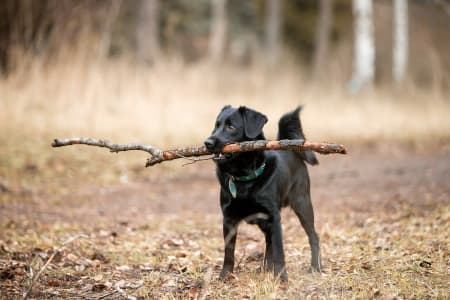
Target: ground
115, 230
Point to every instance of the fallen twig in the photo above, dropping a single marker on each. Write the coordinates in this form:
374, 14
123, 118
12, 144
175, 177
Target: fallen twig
35, 276
107, 295
158, 155
120, 289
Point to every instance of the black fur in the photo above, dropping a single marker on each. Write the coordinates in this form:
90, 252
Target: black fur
290, 128
284, 182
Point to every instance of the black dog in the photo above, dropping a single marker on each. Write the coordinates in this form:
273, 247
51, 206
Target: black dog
256, 185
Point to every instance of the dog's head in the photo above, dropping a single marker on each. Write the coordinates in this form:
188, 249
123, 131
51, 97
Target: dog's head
235, 125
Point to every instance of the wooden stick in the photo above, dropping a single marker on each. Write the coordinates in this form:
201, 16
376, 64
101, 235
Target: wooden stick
296, 145
158, 155
107, 144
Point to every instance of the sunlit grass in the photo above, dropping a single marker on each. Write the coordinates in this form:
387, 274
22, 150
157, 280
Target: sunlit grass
174, 104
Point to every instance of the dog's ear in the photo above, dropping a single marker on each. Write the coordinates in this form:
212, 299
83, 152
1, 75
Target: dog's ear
222, 110
225, 107
253, 121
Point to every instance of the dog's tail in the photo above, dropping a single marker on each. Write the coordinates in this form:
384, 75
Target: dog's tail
290, 127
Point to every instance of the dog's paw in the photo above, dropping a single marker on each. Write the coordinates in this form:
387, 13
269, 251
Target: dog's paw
316, 269
226, 276
283, 277
226, 273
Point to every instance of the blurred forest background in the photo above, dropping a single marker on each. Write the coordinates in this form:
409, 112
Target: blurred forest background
161, 70
372, 74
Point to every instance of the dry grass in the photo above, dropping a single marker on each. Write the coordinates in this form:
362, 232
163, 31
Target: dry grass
174, 104
387, 257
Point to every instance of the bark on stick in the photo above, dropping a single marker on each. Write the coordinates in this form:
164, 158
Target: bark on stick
158, 155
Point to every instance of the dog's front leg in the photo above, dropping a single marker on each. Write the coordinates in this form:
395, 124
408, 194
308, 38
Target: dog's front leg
229, 236
277, 249
268, 255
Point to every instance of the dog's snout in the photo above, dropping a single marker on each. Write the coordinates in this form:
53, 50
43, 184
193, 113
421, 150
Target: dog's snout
210, 143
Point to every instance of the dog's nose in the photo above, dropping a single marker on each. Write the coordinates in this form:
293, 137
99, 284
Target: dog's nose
210, 143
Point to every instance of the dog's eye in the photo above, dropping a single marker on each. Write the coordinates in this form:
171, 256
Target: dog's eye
217, 124
230, 127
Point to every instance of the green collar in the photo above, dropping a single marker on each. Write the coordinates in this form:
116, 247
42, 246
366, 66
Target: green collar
255, 174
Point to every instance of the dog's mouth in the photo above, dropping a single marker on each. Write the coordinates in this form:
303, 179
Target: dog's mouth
222, 156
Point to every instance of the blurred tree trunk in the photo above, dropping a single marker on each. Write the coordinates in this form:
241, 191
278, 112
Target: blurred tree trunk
322, 37
400, 40
112, 12
147, 31
364, 46
218, 33
274, 21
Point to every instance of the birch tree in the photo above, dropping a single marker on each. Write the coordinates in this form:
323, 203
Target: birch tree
217, 38
322, 37
400, 40
273, 24
147, 31
364, 46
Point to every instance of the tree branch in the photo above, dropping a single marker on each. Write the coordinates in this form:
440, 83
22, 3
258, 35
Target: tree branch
296, 145
158, 155
107, 144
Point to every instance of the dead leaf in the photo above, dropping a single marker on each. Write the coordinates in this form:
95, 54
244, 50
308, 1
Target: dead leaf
86, 262
53, 282
181, 254
174, 242
80, 268
120, 283
134, 285
193, 292
198, 254
366, 266
123, 268
193, 244
100, 257
72, 257
98, 277
148, 268
170, 283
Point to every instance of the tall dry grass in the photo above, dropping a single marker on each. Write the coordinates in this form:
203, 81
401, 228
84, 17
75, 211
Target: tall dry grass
175, 104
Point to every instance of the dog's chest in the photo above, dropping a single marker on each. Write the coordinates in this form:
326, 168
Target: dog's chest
245, 206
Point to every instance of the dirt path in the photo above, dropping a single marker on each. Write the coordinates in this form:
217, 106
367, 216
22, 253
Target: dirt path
361, 182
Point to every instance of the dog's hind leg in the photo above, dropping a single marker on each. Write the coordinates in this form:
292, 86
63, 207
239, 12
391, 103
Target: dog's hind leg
303, 208
276, 237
